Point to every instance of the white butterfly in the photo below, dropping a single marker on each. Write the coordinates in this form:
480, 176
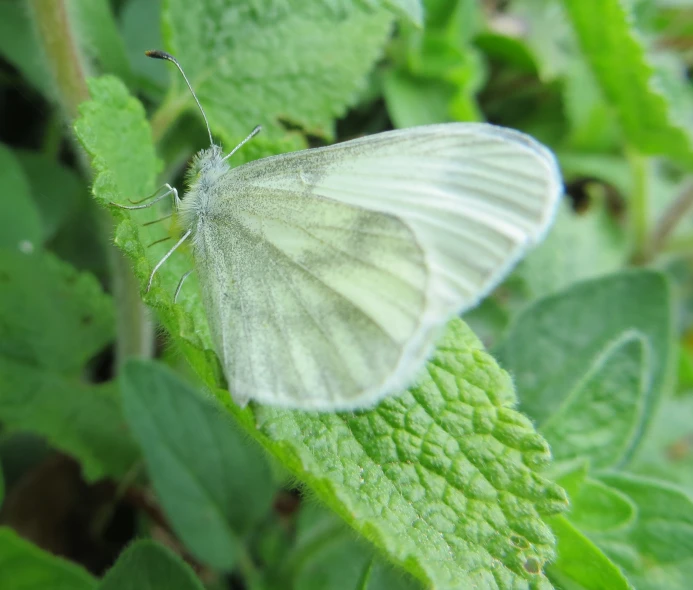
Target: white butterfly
327, 274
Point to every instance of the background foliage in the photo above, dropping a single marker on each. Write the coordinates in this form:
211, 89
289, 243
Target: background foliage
573, 380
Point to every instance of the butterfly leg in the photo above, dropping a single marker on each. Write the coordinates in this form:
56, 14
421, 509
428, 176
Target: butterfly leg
186, 235
180, 284
154, 197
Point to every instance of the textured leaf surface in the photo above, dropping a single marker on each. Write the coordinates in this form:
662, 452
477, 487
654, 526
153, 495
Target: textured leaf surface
557, 341
149, 566
194, 456
24, 566
53, 320
302, 62
442, 478
617, 55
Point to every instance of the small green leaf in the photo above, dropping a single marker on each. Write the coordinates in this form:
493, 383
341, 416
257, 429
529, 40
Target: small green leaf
2, 485
327, 556
24, 566
599, 417
146, 565
258, 63
554, 343
96, 30
598, 507
414, 101
56, 190
581, 565
21, 222
212, 484
18, 46
656, 550
53, 320
84, 421
618, 57
51, 315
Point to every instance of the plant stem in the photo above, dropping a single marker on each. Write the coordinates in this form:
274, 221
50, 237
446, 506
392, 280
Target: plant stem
667, 223
639, 205
61, 51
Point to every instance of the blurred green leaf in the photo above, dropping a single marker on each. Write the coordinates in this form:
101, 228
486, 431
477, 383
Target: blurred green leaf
53, 320
23, 566
411, 9
56, 190
598, 507
629, 79
668, 451
327, 556
18, 45
656, 550
2, 485
195, 457
606, 403
555, 343
303, 63
95, 27
146, 565
579, 246
580, 564
52, 316
21, 222
140, 24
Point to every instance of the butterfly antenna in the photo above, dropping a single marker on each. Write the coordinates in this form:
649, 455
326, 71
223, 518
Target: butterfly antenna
158, 54
253, 133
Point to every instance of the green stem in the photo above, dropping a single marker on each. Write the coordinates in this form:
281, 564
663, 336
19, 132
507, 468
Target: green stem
61, 51
639, 205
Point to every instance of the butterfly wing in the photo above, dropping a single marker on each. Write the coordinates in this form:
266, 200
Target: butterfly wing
350, 257
312, 303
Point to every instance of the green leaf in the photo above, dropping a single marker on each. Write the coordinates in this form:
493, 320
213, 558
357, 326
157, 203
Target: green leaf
56, 190
301, 62
600, 416
95, 28
411, 9
327, 556
52, 316
598, 507
18, 45
212, 484
560, 339
668, 451
581, 565
21, 222
141, 30
24, 566
2, 485
84, 421
146, 565
442, 477
578, 247
656, 550
415, 101
629, 79
53, 320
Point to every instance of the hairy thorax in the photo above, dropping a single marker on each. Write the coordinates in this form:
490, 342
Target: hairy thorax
203, 184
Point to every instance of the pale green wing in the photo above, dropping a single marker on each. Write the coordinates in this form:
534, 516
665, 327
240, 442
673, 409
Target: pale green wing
476, 196
312, 303
330, 271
